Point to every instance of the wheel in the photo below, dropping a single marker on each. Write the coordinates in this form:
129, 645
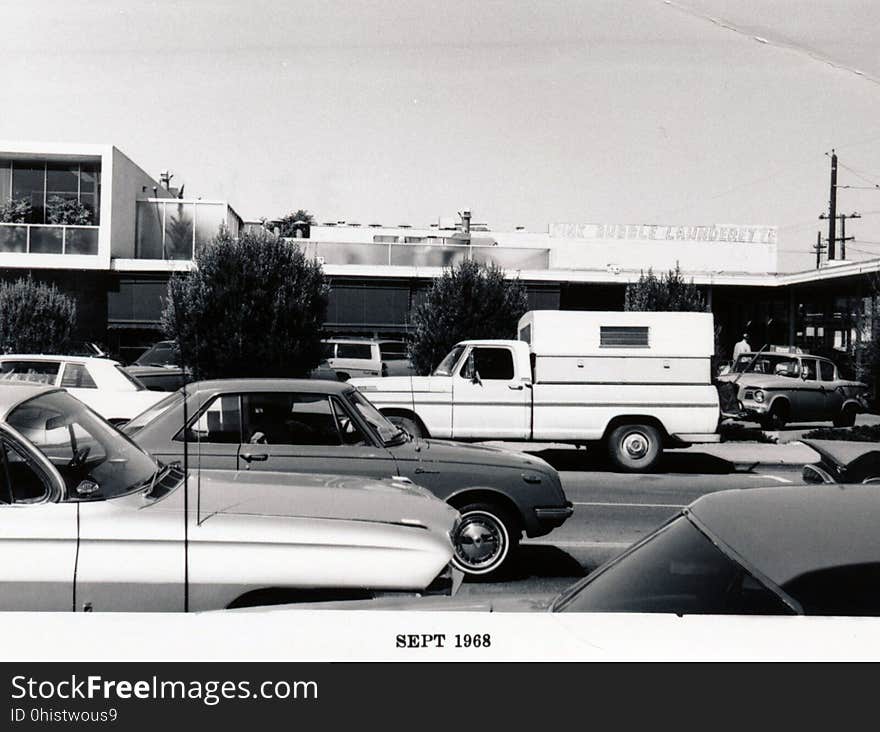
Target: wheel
486, 538
847, 418
776, 417
407, 424
635, 448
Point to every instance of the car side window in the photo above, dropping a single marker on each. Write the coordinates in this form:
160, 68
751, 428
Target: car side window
40, 372
809, 369
826, 370
489, 363
19, 481
852, 589
354, 350
76, 376
289, 418
348, 429
219, 423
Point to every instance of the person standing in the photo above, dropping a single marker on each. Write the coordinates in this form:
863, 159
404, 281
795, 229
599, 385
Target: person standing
741, 347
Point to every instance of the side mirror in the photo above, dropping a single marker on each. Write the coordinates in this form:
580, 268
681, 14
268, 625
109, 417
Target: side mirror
87, 488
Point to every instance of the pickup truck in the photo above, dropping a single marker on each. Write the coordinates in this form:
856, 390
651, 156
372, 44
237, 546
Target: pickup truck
635, 382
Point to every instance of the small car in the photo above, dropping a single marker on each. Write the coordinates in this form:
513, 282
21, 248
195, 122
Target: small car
89, 521
316, 426
101, 383
774, 389
843, 462
351, 357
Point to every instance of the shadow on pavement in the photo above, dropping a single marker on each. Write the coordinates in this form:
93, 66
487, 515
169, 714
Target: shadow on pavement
537, 561
695, 463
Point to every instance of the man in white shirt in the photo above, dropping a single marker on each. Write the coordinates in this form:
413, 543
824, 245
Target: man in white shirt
741, 347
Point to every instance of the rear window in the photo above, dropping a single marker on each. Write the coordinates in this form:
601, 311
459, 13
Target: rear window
40, 372
354, 350
623, 336
393, 351
76, 376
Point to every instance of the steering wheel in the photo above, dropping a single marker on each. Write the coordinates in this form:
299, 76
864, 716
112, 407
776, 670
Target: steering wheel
79, 457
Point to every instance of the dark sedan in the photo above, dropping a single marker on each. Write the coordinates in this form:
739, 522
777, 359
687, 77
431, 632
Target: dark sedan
309, 426
843, 462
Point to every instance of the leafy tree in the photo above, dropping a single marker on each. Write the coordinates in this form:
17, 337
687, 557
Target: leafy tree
67, 211
252, 307
470, 300
286, 225
668, 292
15, 211
35, 317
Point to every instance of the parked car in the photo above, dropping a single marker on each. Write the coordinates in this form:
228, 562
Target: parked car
100, 383
351, 357
89, 521
163, 353
632, 382
774, 389
843, 462
319, 426
158, 368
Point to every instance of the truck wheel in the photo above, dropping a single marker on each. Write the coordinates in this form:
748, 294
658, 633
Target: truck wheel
776, 417
635, 448
407, 424
486, 538
847, 418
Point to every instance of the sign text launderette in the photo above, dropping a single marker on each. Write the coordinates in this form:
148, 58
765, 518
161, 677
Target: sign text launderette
654, 232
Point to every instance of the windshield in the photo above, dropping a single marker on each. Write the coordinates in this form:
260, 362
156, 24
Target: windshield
164, 353
767, 363
448, 363
676, 570
148, 415
388, 432
83, 447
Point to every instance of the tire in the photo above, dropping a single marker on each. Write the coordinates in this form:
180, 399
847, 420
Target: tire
485, 540
846, 418
407, 424
635, 448
776, 417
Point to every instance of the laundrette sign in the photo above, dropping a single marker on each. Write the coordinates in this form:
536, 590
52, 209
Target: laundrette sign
655, 232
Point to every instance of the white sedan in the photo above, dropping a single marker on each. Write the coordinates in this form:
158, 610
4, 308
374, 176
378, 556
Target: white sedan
88, 521
101, 383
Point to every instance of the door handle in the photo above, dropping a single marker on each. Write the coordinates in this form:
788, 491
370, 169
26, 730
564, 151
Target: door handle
515, 387
259, 457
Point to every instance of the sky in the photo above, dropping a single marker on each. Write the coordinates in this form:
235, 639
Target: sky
526, 113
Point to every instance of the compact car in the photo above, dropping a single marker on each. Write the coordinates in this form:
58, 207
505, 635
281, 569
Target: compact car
89, 521
319, 426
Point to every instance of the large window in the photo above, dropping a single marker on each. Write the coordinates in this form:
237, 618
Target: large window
173, 228
42, 183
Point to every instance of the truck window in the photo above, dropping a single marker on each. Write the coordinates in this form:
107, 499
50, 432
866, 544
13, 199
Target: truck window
623, 336
489, 363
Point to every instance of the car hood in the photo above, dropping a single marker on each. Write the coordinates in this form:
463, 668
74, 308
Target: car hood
455, 452
390, 501
760, 381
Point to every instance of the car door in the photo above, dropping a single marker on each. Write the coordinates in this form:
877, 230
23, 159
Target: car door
305, 432
834, 397
809, 401
38, 537
488, 396
213, 439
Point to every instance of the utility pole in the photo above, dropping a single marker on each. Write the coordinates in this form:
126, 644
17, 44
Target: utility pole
843, 238
819, 247
832, 207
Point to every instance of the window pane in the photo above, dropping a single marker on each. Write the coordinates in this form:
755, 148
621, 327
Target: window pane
613, 336
13, 238
290, 419
41, 372
393, 351
493, 363
678, 570
809, 367
178, 230
209, 217
62, 179
219, 423
90, 190
77, 377
826, 370
350, 432
20, 481
81, 241
149, 230
354, 350
28, 182
46, 239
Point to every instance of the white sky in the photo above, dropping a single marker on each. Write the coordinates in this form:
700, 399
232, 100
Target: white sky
624, 111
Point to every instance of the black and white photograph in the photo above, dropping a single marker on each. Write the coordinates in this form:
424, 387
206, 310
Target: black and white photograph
417, 331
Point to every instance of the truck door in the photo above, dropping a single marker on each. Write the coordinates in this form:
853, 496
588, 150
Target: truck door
489, 398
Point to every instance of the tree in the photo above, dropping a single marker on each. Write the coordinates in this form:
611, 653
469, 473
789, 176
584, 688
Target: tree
15, 211
67, 211
35, 317
470, 300
286, 225
253, 306
670, 292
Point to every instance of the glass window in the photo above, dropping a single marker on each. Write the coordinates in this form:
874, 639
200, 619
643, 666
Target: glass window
826, 370
809, 369
149, 230
178, 231
393, 351
448, 363
852, 589
354, 350
623, 336
350, 432
29, 183
151, 413
289, 418
768, 363
209, 218
219, 423
20, 482
489, 363
676, 570
81, 241
163, 353
40, 372
328, 350
76, 376
13, 238
47, 240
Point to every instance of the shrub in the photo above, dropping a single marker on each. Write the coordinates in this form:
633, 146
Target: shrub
15, 211
252, 307
35, 317
67, 211
859, 433
470, 300
670, 292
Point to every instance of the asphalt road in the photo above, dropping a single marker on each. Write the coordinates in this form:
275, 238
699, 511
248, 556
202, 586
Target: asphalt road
611, 511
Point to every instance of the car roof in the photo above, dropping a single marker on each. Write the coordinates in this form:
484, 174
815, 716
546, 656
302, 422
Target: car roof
841, 452
13, 393
55, 357
786, 531
315, 386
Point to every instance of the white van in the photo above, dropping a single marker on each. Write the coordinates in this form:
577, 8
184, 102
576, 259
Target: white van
634, 381
351, 357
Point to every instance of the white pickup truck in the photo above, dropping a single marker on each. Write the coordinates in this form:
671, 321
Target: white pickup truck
634, 381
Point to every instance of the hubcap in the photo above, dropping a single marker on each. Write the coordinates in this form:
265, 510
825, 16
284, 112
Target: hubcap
479, 541
636, 445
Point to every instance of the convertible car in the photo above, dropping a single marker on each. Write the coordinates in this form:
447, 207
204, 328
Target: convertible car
318, 426
89, 521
